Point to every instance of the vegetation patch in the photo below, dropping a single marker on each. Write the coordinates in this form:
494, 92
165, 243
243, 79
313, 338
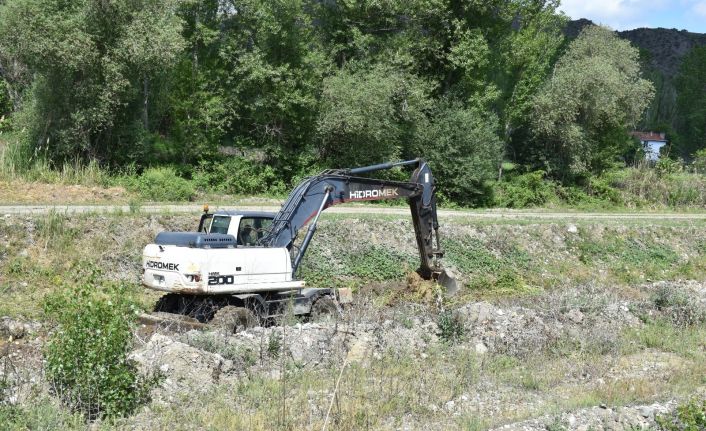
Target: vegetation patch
690, 416
629, 258
86, 356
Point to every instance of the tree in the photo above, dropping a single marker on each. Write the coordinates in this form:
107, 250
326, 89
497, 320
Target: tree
582, 112
464, 150
370, 114
691, 101
93, 62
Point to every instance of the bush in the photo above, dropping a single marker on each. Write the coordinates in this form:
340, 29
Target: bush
238, 176
450, 326
464, 152
699, 162
162, 184
666, 166
688, 417
526, 190
86, 357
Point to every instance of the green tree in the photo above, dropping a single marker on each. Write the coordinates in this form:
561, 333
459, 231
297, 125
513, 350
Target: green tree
370, 114
273, 72
529, 55
464, 150
94, 64
595, 92
691, 102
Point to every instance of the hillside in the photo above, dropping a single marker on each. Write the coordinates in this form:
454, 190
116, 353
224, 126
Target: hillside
664, 48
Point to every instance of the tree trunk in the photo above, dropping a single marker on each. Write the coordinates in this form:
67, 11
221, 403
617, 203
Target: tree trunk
145, 102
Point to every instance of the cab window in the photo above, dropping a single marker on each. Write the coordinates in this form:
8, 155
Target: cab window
220, 224
252, 229
205, 225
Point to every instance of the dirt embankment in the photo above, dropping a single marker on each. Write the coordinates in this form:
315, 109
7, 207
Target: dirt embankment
559, 325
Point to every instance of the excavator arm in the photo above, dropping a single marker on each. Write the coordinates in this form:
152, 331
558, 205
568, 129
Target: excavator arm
333, 187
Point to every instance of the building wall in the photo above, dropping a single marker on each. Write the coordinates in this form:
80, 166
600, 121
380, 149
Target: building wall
652, 149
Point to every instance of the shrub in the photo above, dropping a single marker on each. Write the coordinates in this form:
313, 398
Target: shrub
86, 357
666, 166
162, 184
688, 417
526, 190
699, 162
238, 176
676, 305
450, 326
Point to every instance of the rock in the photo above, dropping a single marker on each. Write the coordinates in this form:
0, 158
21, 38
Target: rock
572, 229
646, 411
478, 312
481, 348
16, 330
13, 328
185, 369
575, 315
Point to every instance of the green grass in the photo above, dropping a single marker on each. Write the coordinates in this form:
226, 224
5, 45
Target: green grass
688, 342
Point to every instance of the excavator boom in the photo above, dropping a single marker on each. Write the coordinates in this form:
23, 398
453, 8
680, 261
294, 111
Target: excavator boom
333, 187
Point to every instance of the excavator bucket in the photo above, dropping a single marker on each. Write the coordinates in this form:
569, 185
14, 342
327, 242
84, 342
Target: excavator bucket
447, 279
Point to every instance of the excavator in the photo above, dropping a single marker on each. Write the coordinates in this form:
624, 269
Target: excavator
240, 268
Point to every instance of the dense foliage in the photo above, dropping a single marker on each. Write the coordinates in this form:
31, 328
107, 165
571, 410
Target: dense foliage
86, 357
594, 94
249, 96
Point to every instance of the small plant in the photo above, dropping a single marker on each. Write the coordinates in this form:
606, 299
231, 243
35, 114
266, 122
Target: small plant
53, 229
690, 416
86, 357
556, 425
699, 163
274, 345
677, 306
135, 205
450, 326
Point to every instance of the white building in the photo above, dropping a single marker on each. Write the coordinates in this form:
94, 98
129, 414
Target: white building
652, 143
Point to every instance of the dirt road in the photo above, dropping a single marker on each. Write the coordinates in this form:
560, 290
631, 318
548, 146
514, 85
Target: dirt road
360, 209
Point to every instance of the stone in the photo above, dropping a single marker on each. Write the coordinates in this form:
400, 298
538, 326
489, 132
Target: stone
481, 348
17, 330
575, 315
646, 411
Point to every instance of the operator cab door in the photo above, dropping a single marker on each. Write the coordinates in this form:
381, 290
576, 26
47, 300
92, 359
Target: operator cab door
260, 262
219, 223
252, 229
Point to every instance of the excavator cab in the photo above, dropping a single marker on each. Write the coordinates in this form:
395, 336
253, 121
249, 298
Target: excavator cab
248, 227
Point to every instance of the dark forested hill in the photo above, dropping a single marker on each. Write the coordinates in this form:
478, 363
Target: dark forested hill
663, 48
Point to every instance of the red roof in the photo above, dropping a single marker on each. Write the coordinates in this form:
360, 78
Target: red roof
649, 136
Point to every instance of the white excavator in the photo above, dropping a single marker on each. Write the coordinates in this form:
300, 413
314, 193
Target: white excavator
240, 267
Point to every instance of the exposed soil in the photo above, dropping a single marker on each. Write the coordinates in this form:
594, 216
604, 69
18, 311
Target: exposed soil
41, 193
